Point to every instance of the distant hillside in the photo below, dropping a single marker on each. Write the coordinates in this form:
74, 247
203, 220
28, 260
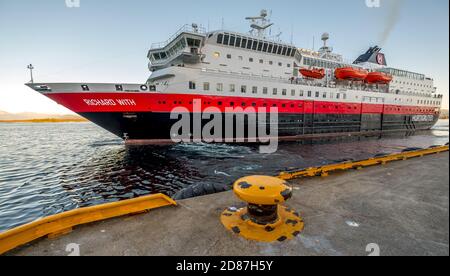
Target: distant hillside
37, 117
444, 114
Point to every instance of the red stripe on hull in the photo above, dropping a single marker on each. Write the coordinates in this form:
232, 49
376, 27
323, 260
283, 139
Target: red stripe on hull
157, 102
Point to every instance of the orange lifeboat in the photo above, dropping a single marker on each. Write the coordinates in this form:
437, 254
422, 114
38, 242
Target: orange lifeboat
378, 78
313, 73
350, 73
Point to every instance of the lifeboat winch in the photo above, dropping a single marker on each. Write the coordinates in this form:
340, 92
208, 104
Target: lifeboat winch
313, 73
378, 78
350, 73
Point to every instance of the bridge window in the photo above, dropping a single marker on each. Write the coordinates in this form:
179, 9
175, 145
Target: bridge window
284, 51
232, 40
226, 39
220, 38
265, 47
192, 42
289, 52
280, 49
260, 45
244, 43
255, 45
249, 44
275, 49
238, 42
269, 50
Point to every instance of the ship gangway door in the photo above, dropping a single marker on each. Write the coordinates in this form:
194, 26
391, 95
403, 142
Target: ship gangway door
372, 114
308, 117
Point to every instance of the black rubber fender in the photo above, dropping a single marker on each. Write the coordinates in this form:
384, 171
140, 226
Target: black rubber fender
411, 149
201, 190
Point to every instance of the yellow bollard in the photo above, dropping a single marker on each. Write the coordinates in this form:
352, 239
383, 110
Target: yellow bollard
264, 219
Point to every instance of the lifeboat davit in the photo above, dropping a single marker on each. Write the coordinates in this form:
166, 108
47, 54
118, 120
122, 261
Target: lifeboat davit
313, 73
378, 78
350, 73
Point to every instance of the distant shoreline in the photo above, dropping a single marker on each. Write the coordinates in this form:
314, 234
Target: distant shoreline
48, 120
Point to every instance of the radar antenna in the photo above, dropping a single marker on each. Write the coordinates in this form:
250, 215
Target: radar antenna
326, 50
260, 24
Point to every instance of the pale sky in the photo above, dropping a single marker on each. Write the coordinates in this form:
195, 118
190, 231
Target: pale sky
108, 40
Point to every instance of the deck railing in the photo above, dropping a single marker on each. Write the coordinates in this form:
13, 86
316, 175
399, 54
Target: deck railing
185, 29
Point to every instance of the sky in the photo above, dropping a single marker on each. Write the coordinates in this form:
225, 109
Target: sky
108, 40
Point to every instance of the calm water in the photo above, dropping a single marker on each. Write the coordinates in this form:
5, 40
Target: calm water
50, 168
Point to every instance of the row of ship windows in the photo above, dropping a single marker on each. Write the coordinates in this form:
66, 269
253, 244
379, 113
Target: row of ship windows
401, 73
265, 90
335, 106
241, 58
412, 83
321, 63
255, 45
425, 102
410, 92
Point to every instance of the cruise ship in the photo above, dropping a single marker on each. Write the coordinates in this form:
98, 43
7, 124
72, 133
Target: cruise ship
317, 93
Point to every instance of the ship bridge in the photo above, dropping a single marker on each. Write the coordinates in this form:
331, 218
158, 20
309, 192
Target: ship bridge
181, 48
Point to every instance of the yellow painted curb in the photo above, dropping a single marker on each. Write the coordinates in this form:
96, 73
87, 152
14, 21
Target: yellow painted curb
60, 224
327, 169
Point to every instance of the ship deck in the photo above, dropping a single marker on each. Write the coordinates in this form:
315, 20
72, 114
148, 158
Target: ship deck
404, 213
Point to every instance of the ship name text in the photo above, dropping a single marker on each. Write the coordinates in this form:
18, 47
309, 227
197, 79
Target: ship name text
110, 102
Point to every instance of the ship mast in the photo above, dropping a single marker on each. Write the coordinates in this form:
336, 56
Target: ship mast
259, 24
31, 67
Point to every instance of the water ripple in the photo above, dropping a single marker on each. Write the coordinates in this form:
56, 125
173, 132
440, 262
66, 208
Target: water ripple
50, 168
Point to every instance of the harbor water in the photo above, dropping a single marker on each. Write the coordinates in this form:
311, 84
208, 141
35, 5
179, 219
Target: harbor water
50, 168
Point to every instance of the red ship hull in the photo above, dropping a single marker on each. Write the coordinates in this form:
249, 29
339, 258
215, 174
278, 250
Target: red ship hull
146, 116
